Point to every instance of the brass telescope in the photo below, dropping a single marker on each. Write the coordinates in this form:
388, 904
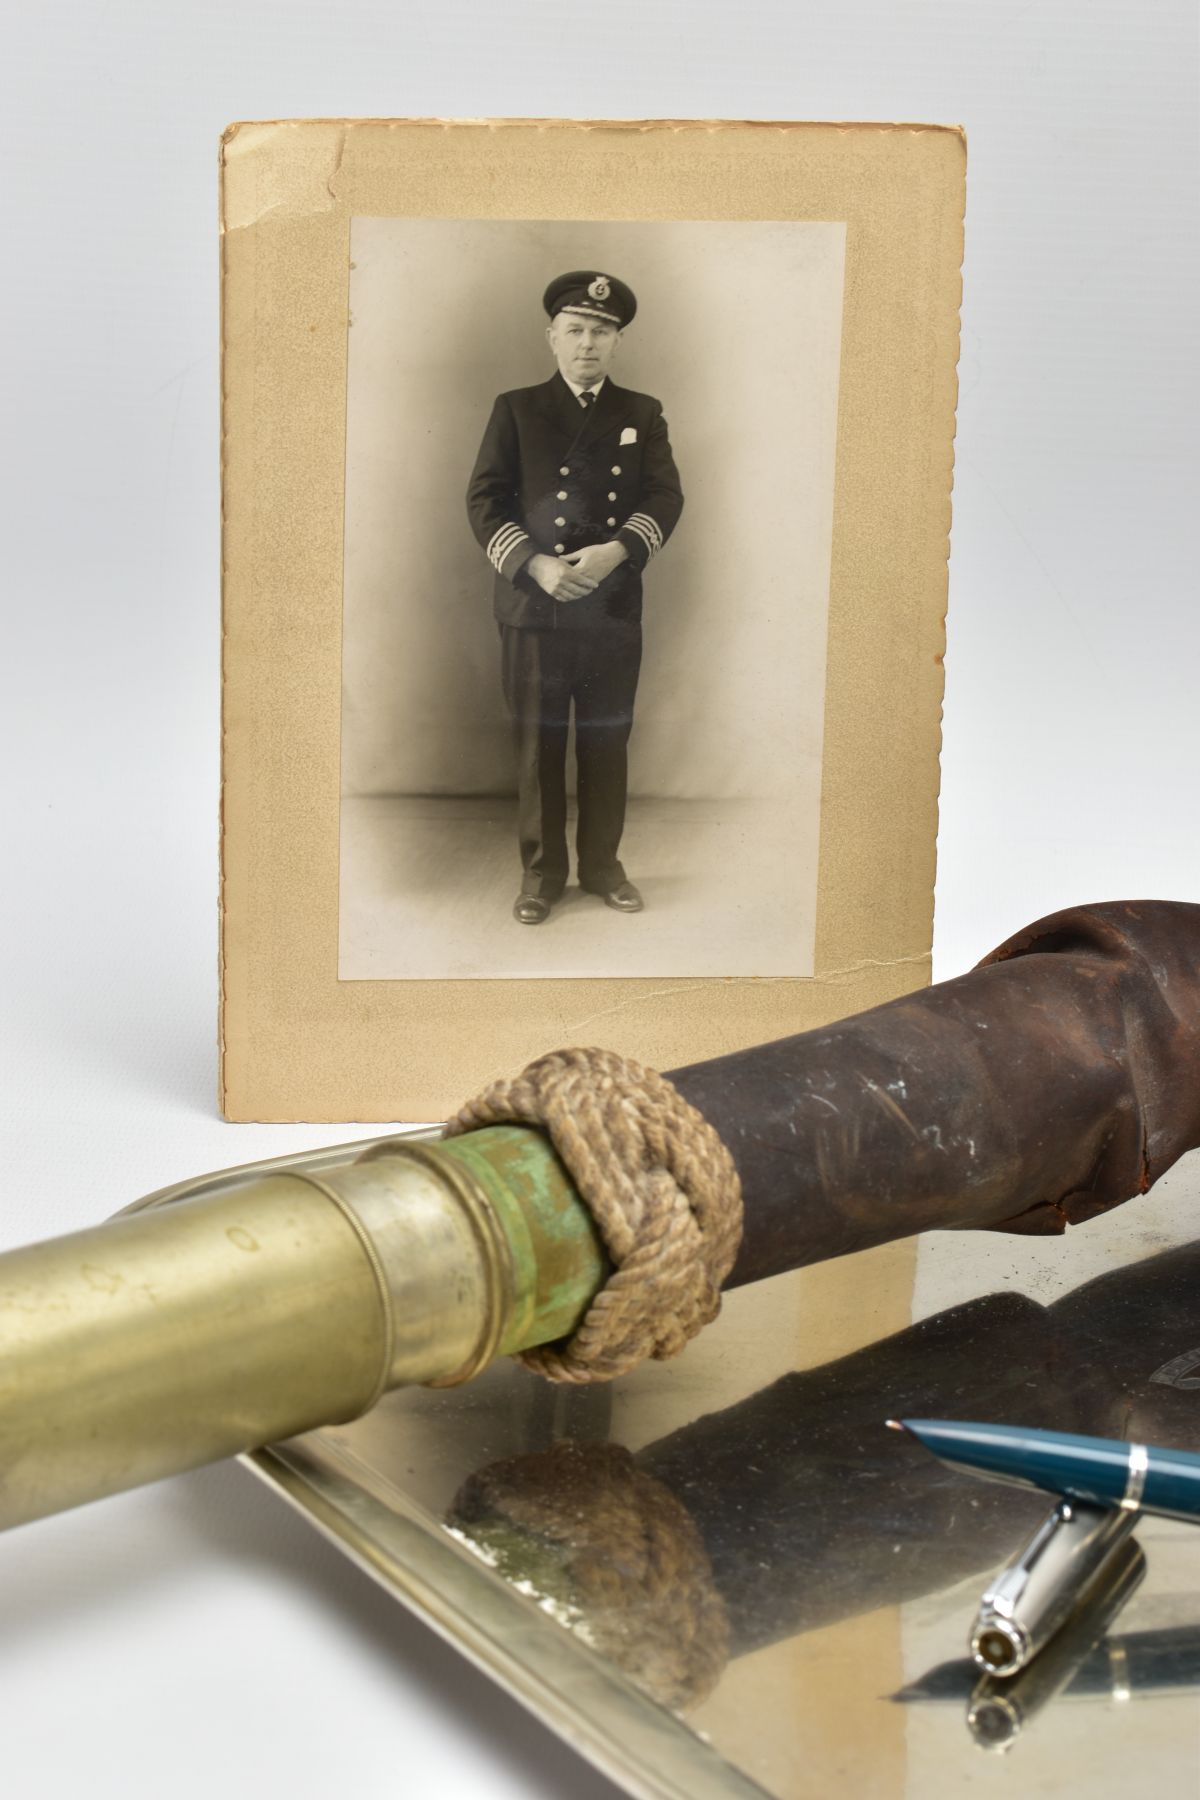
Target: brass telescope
1053, 1082
248, 1306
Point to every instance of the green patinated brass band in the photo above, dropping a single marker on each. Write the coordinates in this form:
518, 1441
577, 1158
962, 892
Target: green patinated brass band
559, 1259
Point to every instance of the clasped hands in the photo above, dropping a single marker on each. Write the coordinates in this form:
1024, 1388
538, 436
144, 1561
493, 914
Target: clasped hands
577, 573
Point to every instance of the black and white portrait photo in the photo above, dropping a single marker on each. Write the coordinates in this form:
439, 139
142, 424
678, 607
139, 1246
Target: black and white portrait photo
588, 525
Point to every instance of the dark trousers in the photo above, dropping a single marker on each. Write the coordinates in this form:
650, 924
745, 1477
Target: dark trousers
545, 673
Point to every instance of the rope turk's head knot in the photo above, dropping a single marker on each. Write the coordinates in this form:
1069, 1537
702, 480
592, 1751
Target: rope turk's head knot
661, 1186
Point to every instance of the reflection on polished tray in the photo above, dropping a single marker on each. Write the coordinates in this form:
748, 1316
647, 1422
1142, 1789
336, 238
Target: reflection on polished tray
788, 1565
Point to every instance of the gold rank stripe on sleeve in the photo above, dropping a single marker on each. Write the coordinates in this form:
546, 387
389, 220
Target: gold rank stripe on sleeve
502, 543
646, 529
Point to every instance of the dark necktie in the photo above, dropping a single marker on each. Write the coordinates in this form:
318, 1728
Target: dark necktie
586, 399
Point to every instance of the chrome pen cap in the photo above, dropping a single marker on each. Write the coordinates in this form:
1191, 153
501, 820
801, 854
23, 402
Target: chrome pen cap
1031, 1598
1000, 1707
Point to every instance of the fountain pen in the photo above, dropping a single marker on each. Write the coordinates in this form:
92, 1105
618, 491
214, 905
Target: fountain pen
1099, 1471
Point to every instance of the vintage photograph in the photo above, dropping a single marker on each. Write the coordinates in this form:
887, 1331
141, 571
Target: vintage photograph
588, 521
586, 507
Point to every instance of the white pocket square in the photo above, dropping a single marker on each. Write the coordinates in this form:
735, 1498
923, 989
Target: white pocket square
629, 435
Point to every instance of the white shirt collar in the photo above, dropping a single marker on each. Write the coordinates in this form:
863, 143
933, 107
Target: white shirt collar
577, 390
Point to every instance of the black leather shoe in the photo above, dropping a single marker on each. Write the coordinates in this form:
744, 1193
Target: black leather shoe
531, 909
624, 898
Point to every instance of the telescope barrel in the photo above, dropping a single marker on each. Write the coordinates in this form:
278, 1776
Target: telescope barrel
182, 1333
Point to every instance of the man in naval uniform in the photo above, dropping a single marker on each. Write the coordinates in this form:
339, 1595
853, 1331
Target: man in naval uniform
573, 491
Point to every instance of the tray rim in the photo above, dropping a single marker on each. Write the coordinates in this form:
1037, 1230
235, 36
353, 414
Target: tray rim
646, 1749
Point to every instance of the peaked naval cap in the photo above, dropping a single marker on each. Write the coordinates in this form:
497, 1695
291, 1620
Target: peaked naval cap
596, 295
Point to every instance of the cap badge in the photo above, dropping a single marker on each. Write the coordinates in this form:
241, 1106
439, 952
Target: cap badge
599, 289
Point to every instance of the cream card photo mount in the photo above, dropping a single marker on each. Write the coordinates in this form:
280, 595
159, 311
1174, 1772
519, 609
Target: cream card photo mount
586, 501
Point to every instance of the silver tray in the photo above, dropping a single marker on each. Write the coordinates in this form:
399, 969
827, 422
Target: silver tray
842, 1592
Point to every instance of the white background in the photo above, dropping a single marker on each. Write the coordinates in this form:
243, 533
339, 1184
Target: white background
196, 1638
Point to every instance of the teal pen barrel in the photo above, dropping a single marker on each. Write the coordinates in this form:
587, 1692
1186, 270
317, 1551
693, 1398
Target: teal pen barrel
1172, 1489
1104, 1471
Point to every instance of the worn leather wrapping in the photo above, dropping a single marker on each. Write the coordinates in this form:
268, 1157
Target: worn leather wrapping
1053, 1082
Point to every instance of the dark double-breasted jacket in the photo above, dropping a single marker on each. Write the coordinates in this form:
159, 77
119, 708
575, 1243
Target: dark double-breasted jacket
551, 477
